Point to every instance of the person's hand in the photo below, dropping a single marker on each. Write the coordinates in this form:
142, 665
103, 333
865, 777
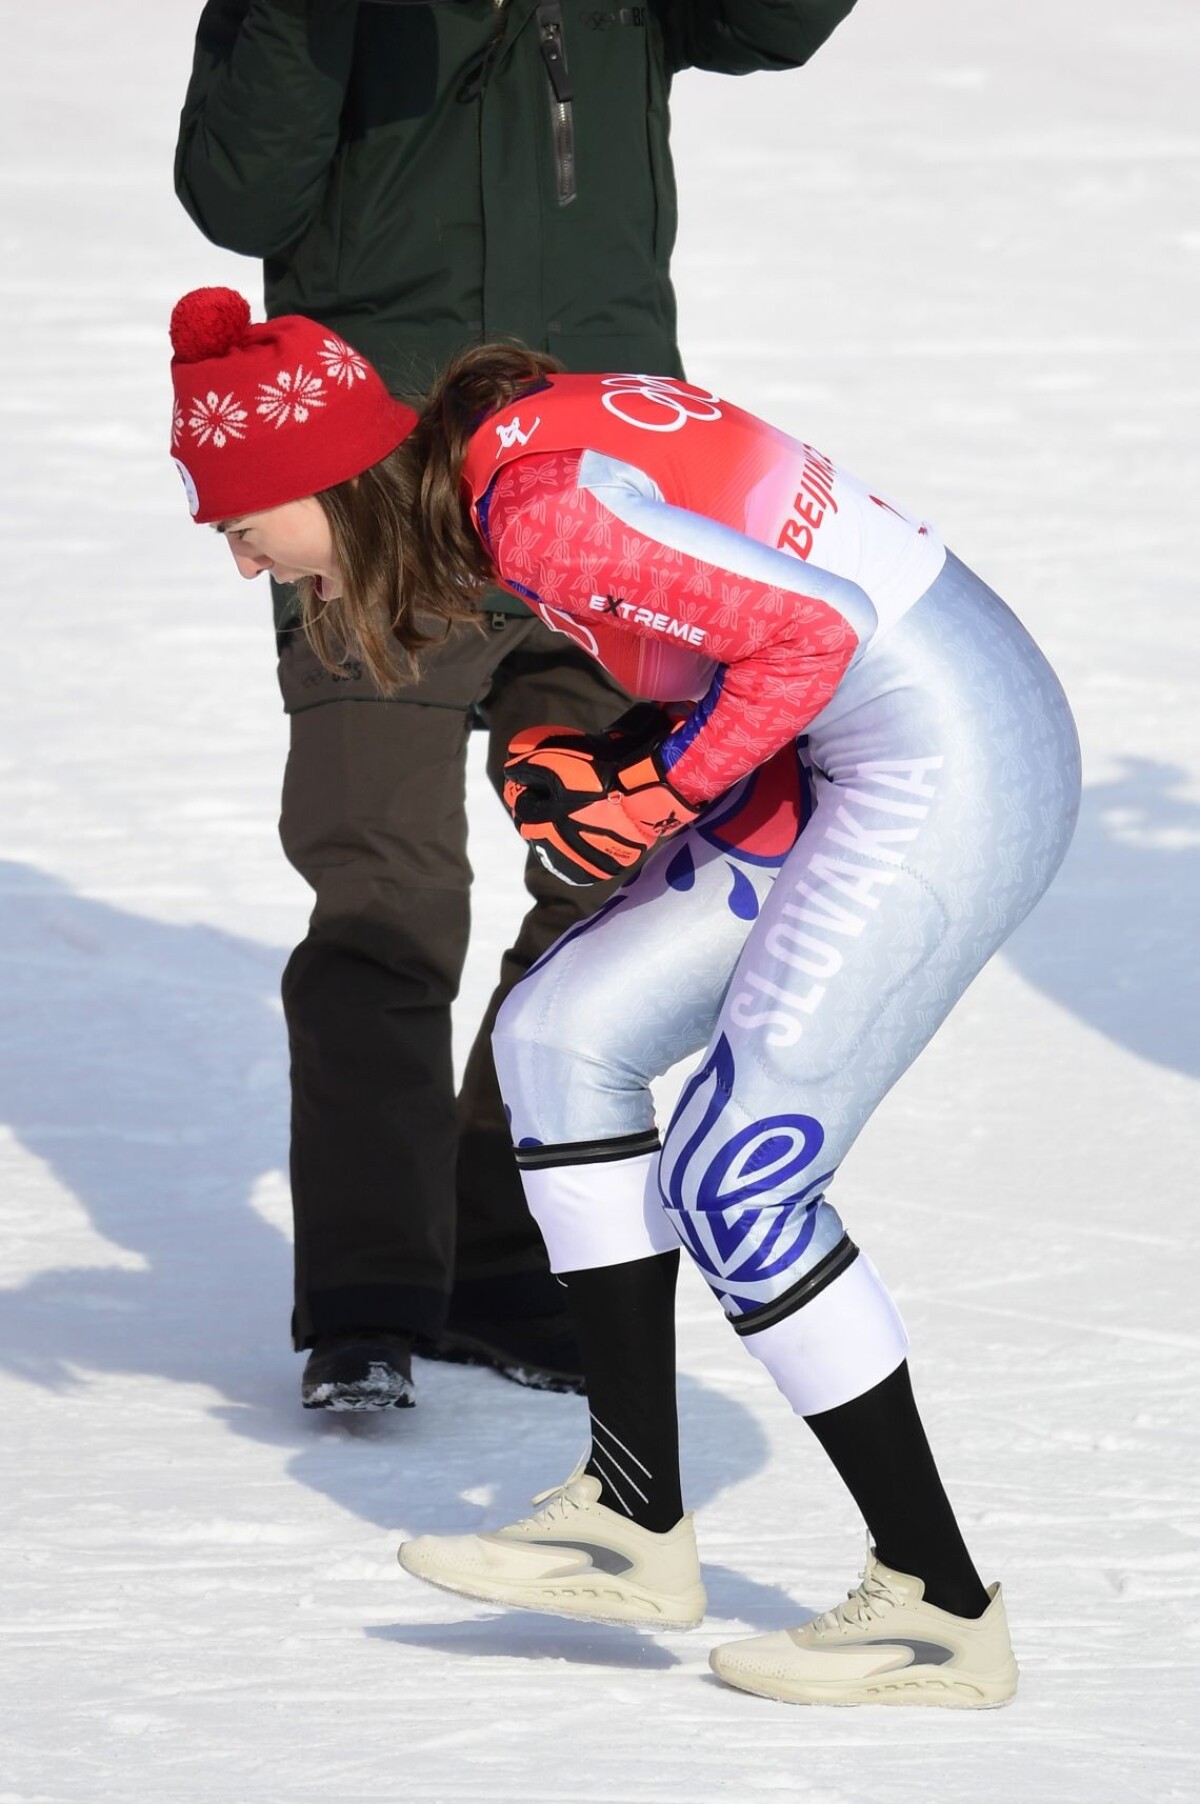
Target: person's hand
590, 804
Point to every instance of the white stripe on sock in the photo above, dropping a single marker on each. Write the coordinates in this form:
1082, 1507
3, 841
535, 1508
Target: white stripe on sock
620, 1468
612, 1487
597, 1423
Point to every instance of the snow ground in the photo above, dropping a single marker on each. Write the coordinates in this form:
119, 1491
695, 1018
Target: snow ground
959, 253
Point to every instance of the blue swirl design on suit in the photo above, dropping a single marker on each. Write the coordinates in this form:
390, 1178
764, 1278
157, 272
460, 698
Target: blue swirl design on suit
732, 1193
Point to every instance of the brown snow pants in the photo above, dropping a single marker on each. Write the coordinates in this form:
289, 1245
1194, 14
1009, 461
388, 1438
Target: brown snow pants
400, 1190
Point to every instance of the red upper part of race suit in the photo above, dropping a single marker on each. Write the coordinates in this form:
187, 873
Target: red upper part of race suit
697, 553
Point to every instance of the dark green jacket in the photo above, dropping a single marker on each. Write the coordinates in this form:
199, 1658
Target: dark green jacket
424, 176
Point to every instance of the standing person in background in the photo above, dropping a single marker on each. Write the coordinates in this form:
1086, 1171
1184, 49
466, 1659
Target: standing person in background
420, 178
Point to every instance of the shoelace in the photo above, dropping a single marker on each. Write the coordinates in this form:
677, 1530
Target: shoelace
872, 1598
556, 1504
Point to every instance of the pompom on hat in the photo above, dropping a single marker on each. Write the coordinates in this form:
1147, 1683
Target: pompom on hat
271, 413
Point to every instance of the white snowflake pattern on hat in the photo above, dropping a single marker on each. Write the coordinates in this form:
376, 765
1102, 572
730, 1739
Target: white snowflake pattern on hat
290, 397
176, 424
217, 417
342, 362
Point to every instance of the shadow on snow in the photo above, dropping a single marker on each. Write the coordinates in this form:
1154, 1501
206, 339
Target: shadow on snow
1114, 941
145, 1065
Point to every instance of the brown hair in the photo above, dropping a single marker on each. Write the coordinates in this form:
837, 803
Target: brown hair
410, 558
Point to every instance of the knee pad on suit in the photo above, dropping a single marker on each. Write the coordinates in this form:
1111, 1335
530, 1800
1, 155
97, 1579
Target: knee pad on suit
835, 1344
600, 1209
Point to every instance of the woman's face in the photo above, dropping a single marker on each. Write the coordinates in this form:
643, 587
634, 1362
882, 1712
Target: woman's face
291, 542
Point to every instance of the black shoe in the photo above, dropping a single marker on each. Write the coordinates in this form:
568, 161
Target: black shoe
541, 1351
361, 1368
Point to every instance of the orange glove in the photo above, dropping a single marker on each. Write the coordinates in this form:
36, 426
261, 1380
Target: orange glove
590, 804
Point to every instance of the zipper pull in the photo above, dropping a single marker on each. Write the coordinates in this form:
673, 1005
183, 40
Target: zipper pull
554, 54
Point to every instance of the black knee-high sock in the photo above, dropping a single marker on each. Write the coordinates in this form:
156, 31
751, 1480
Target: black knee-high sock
878, 1445
625, 1315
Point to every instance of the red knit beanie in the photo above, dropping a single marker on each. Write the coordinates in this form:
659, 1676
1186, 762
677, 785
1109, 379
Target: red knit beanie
268, 414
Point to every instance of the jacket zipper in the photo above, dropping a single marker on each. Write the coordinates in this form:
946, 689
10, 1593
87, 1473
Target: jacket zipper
478, 76
562, 94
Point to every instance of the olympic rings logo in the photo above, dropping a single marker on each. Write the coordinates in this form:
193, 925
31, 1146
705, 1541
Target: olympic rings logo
679, 400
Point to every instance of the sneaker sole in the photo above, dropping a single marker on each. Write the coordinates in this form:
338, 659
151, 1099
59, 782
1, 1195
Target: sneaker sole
986, 1693
587, 1602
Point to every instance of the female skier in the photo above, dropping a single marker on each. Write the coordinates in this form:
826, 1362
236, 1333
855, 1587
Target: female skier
867, 775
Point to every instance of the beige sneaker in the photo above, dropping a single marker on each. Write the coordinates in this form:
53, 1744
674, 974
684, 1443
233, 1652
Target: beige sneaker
573, 1557
884, 1645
